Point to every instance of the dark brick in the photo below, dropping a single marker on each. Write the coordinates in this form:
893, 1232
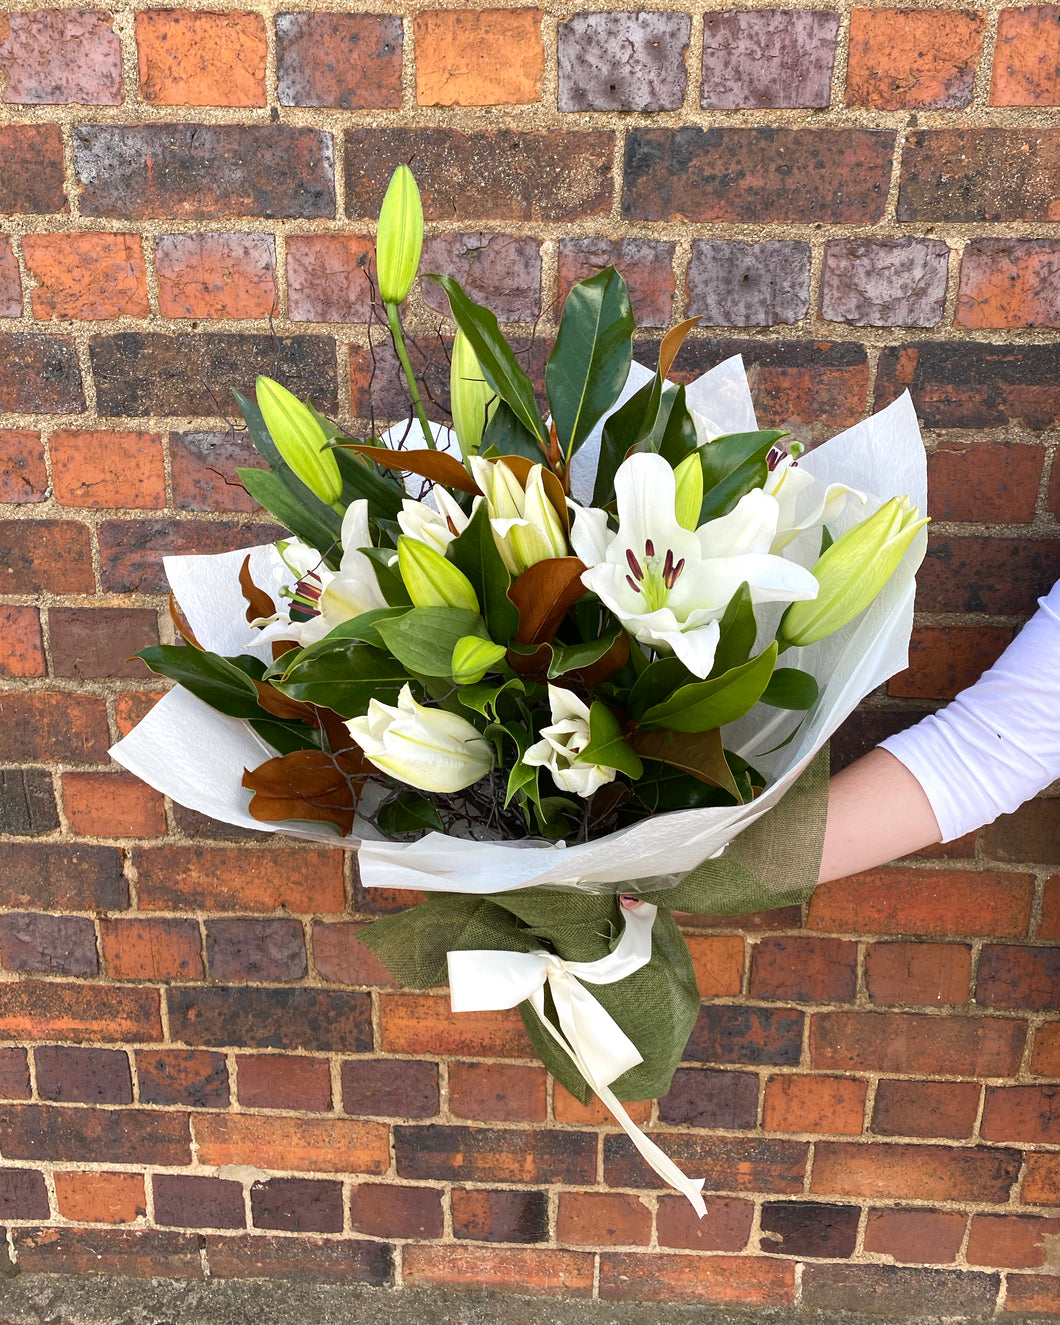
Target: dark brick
499, 174
193, 1078
699, 1097
1018, 977
23, 1195
148, 1253
152, 373
385, 1211
805, 969
485, 1216
895, 1290
190, 1201
45, 726
767, 58
100, 641
39, 374
282, 1081
297, 1260
390, 1088
83, 1076
489, 1154
1031, 833
736, 284
987, 574
980, 175
27, 803
726, 1164
757, 175
884, 282
54, 945
48, 555
202, 828
106, 1136
61, 877
329, 1022
500, 271
297, 1205
728, 1033
349, 61
32, 178
131, 551
204, 470
255, 949
926, 1108
14, 1075
623, 61
802, 1228
646, 265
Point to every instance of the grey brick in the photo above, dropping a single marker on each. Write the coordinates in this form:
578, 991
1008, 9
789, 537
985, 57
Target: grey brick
620, 61
737, 284
764, 58
884, 282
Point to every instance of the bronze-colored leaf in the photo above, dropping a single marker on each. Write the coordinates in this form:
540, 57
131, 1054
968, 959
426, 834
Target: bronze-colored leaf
307, 784
698, 753
543, 594
521, 465
435, 465
530, 664
613, 661
282, 646
280, 706
181, 625
672, 342
259, 604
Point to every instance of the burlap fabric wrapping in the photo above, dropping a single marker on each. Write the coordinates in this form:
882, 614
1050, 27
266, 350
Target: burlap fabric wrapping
774, 862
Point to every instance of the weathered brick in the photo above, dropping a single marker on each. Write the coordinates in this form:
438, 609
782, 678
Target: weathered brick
203, 467
255, 949
718, 961
282, 1081
425, 1024
980, 175
766, 58
45, 556
491, 1154
48, 1009
944, 660
1031, 833
613, 60
112, 805
23, 474
725, 1226
892, 1289
39, 374
646, 265
808, 970
83, 1076
385, 1211
592, 1219
756, 175
483, 57
806, 1228
699, 1097
916, 1043
798, 1103
308, 1145
95, 1197
14, 1074
33, 169
272, 1019
736, 284
1045, 1059
340, 957
926, 1108
930, 1236
86, 276
485, 1216
925, 901
27, 805
497, 1092
53, 725
100, 641
221, 879
1011, 976
1026, 72
135, 949
390, 1088
61, 877
297, 1205
540, 1270
1054, 492
1029, 1114
53, 945
502, 271
1041, 1182
350, 1260
914, 59
348, 61
987, 574
917, 973
192, 1078
53, 57
23, 1194
192, 1201
729, 1033
1015, 1242
21, 642
726, 1164
10, 281
132, 706
1033, 1293
131, 551
190, 58
378, 391
1009, 283
914, 1172
110, 1136
594, 1114
648, 1277
501, 174
147, 1253
884, 282
329, 276
216, 275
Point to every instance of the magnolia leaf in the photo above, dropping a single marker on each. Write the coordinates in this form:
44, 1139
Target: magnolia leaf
698, 753
344, 675
732, 466
259, 604
505, 437
606, 745
215, 680
308, 785
543, 594
362, 481
705, 704
408, 813
283, 706
657, 682
672, 342
312, 521
790, 688
435, 465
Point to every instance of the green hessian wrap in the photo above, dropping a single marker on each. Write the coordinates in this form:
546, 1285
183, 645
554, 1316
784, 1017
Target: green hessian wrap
774, 862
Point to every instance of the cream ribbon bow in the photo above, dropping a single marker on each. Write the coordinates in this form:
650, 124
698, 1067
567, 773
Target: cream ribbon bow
487, 980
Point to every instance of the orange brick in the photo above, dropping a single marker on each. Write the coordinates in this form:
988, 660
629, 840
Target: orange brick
1012, 1242
1028, 1114
814, 1104
917, 1043
1027, 58
1049, 925
23, 473
21, 645
108, 469
1041, 1182
112, 805
86, 276
131, 706
1045, 1060
1009, 283
924, 1237
944, 902
240, 879
306, 1145
79, 1012
200, 58
342, 959
497, 1092
152, 949
1038, 1293
211, 276
489, 57
725, 1227
594, 1114
754, 1281
914, 1172
718, 961
501, 1269
603, 1219
913, 58
100, 1198
425, 1024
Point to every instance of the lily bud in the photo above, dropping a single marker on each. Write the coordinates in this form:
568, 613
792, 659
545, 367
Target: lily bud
689, 500
526, 526
472, 399
299, 439
852, 572
473, 657
399, 239
423, 747
430, 580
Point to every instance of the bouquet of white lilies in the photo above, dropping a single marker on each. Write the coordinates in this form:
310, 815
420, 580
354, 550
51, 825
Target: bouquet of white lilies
544, 656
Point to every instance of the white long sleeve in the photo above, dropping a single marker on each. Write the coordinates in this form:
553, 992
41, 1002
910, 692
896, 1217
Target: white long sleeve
998, 743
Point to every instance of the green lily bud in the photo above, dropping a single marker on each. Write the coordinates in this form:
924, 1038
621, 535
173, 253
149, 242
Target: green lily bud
852, 572
689, 476
430, 580
473, 657
399, 239
473, 400
299, 439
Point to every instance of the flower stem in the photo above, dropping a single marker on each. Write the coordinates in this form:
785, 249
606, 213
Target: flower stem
394, 319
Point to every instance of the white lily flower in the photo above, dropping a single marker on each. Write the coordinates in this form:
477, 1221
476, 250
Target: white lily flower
787, 482
526, 526
424, 747
562, 742
669, 586
436, 528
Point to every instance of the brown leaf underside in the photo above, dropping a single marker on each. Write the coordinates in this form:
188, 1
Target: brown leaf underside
435, 465
698, 753
307, 784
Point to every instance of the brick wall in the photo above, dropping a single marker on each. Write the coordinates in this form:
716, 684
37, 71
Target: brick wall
204, 1072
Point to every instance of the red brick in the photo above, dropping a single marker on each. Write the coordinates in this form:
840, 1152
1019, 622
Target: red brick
348, 61
244, 1017
181, 1076
1045, 1060
602, 1219
958, 174
926, 1108
497, 1092
1027, 58
425, 1024
646, 265
53, 57
39, 374
829, 1105
110, 1136
131, 551
203, 467
52, 725
930, 1237
925, 901
100, 641
61, 877
503, 271
136, 949
766, 58
1030, 1114
86, 276
494, 1154
718, 963
730, 1033
132, 706
100, 1197
201, 59
341, 958
1049, 924
914, 1172
385, 1211
725, 1163
10, 281
918, 973
1054, 492
944, 660
987, 574
14, 1075
328, 275
21, 644
23, 475
147, 1253
1011, 1242
51, 556
725, 1227
112, 805
1009, 283
108, 469
299, 1260
255, 950
1033, 1292
220, 879
913, 59
594, 1114
278, 1081
536, 1270
82, 1076
1010, 976
1041, 1182
216, 275
23, 1194
308, 1145
808, 970
194, 1201
961, 848
916, 1042
505, 1216
486, 57
891, 1289
1031, 833
33, 169
390, 1088
699, 1097
297, 1205
743, 1280
79, 1012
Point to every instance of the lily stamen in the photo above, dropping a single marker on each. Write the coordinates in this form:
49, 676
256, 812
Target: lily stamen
634, 565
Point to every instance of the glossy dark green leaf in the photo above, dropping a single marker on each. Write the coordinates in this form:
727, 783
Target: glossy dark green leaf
408, 813
790, 688
391, 585
705, 704
505, 435
621, 432
208, 676
475, 553
344, 675
305, 521
607, 746
732, 466
361, 479
423, 639
285, 737
678, 438
738, 632
656, 682
576, 657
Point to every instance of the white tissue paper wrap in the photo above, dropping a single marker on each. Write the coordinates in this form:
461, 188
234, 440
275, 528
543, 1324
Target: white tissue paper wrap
197, 756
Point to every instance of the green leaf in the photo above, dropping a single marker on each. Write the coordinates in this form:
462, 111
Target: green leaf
344, 675
575, 657
590, 360
738, 632
679, 436
698, 753
522, 778
655, 683
606, 745
499, 365
423, 638
621, 432
361, 479
826, 539
365, 626
208, 676
505, 435
705, 704
475, 553
482, 697
732, 466
391, 585
285, 737
790, 688
408, 813
309, 519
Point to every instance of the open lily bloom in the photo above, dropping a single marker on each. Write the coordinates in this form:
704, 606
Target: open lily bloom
561, 743
436, 525
669, 586
793, 487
